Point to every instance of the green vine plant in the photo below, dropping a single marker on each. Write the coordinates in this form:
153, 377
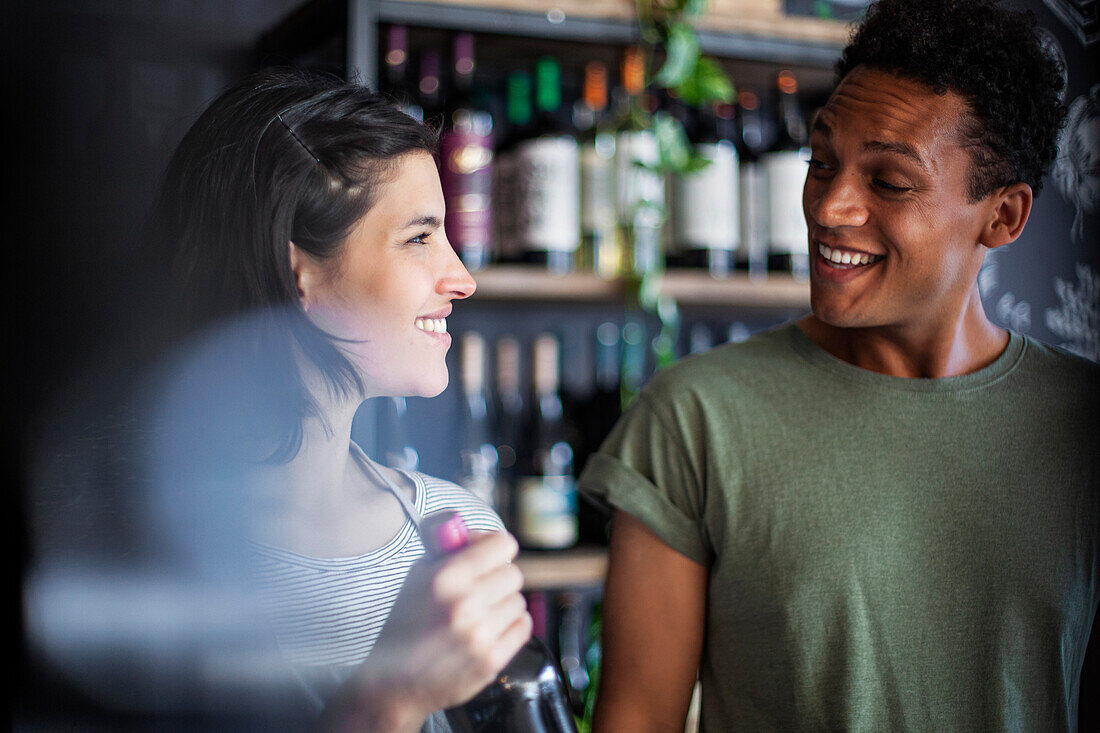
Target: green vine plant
667, 34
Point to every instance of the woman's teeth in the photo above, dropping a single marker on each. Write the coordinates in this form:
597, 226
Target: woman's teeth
432, 325
839, 257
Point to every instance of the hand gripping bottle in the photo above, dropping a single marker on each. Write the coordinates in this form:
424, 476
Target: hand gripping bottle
528, 696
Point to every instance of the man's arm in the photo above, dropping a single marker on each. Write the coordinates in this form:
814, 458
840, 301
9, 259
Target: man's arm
653, 620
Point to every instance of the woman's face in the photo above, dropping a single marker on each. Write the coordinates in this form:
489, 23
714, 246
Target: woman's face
390, 289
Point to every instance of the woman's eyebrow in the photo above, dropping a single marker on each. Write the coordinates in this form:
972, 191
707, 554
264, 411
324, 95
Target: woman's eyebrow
423, 221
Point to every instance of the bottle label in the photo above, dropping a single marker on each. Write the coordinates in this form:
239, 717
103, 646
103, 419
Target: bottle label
546, 508
598, 183
786, 176
754, 216
635, 185
467, 178
705, 204
547, 179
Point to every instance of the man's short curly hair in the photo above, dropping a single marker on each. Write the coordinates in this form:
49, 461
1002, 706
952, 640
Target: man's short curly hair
990, 56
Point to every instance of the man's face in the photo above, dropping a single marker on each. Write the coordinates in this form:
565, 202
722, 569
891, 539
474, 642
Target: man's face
893, 238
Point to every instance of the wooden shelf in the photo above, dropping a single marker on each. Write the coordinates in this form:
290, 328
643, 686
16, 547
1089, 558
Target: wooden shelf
747, 29
530, 283
565, 569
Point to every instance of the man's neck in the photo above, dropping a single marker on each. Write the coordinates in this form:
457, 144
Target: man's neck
958, 345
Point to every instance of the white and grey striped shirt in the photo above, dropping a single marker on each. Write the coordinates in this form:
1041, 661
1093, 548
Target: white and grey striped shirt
329, 612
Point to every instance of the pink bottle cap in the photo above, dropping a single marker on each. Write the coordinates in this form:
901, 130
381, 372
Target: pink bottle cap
444, 532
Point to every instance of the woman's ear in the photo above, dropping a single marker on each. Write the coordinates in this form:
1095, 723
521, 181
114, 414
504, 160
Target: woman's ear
1011, 207
306, 276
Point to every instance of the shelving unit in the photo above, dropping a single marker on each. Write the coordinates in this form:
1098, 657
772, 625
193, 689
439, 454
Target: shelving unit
570, 568
748, 30
520, 283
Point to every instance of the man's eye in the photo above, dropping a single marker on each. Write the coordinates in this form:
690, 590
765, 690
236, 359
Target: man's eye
888, 186
819, 165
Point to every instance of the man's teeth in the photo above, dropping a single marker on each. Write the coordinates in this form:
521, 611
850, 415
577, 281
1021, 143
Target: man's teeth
847, 258
432, 325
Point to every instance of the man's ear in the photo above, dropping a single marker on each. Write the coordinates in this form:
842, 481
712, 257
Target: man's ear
307, 276
1010, 208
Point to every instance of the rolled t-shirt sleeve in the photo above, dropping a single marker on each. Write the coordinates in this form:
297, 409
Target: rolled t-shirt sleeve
645, 468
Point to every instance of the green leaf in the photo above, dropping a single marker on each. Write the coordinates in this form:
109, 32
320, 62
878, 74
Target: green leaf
682, 53
692, 8
673, 147
706, 84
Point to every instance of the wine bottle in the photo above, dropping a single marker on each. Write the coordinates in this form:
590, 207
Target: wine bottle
639, 191
396, 62
478, 472
510, 418
704, 206
753, 187
700, 338
506, 200
546, 495
528, 695
597, 141
547, 179
429, 87
785, 167
571, 646
466, 158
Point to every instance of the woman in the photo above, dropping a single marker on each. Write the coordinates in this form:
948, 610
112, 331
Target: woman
307, 214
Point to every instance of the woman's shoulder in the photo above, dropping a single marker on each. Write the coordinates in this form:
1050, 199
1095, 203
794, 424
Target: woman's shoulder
440, 495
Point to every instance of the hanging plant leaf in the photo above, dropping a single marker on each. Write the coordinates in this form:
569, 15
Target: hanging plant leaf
681, 55
673, 148
692, 9
706, 85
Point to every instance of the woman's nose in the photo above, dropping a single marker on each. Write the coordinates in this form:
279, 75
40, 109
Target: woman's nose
455, 280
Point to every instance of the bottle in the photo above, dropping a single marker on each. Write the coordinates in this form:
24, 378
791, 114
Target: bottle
506, 201
572, 644
639, 191
597, 142
478, 472
785, 167
704, 207
510, 419
546, 494
466, 158
598, 416
429, 87
396, 62
528, 696
753, 187
547, 179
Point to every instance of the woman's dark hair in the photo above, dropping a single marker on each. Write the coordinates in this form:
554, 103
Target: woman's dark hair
993, 58
282, 156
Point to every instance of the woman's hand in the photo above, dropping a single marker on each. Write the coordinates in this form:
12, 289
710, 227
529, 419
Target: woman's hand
455, 624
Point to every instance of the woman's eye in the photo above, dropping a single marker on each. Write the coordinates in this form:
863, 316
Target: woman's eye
421, 238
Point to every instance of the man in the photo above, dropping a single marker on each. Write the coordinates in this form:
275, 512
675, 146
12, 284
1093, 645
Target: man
884, 516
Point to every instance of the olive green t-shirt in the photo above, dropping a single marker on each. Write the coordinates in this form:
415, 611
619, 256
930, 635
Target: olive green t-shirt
883, 553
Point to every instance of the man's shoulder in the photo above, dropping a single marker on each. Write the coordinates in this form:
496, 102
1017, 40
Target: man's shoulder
765, 354
1060, 368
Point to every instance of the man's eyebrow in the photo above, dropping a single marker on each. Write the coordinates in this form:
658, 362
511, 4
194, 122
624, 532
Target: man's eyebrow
896, 148
423, 221
875, 146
